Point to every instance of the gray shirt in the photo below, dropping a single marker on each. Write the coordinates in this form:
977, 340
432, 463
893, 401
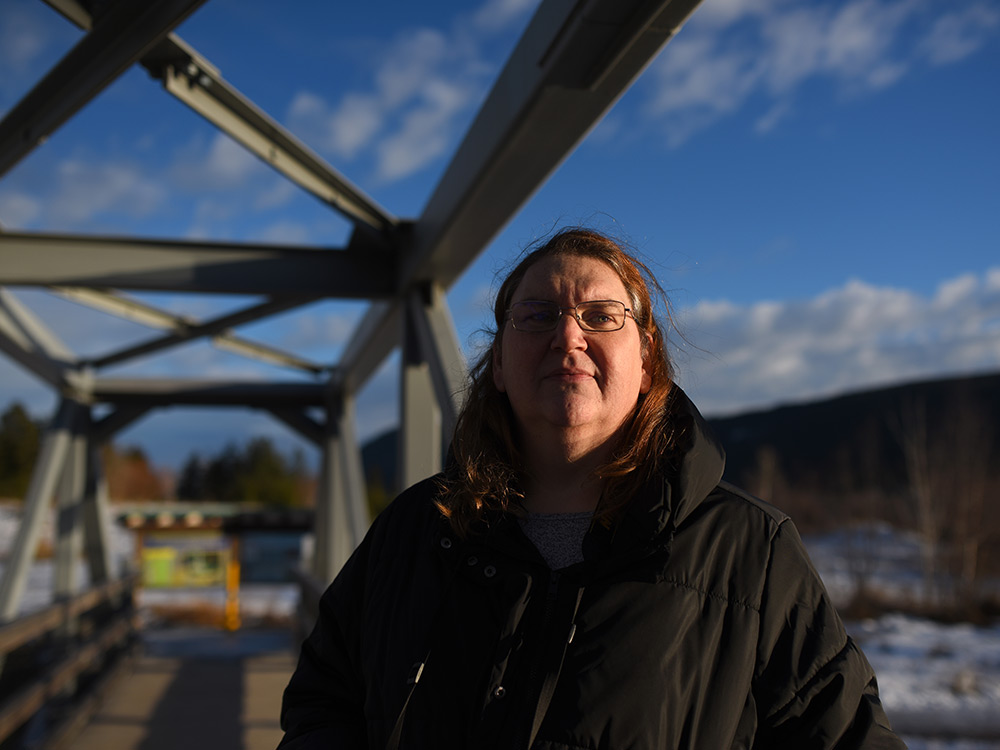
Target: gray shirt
557, 536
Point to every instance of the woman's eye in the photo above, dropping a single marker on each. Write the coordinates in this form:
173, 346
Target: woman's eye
541, 316
599, 318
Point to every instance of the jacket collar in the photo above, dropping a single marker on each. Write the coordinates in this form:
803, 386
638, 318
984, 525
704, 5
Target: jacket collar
651, 516
672, 496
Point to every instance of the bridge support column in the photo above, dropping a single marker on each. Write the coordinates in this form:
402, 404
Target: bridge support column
69, 528
432, 375
96, 518
341, 501
48, 469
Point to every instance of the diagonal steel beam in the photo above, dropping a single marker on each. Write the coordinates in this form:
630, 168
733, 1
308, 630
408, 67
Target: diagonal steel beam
26, 340
73, 11
572, 63
102, 430
196, 82
432, 325
301, 423
193, 80
191, 331
185, 329
265, 353
118, 38
30, 259
377, 334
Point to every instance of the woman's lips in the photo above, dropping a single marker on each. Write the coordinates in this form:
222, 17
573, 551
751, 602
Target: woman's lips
568, 375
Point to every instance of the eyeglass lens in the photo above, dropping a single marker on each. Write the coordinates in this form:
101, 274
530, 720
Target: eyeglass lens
597, 315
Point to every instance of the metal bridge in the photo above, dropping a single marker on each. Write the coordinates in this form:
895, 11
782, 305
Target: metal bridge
573, 61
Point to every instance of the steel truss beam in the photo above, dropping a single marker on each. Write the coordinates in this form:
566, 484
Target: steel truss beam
153, 392
193, 80
29, 342
69, 509
204, 267
196, 82
301, 423
44, 480
104, 429
120, 37
184, 330
431, 380
437, 341
341, 508
96, 518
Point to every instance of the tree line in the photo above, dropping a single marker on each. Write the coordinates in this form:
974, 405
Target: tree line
919, 464
255, 472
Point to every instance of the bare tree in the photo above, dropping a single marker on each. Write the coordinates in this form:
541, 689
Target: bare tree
922, 460
949, 471
969, 437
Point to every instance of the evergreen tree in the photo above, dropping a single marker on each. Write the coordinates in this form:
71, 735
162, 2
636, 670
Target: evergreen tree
20, 438
257, 473
191, 485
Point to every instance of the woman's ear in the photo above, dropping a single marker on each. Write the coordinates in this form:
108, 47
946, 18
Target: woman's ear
647, 378
497, 368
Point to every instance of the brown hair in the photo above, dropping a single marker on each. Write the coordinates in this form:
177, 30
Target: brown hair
485, 472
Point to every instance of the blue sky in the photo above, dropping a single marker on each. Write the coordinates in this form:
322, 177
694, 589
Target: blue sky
817, 184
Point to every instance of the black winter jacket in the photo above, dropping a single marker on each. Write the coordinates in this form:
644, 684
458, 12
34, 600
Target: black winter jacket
696, 622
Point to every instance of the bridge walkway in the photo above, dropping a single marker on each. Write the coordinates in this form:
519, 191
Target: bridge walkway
195, 689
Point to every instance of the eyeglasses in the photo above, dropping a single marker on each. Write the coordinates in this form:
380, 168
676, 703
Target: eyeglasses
599, 315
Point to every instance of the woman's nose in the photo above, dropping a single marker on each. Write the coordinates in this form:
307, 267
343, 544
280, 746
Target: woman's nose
568, 334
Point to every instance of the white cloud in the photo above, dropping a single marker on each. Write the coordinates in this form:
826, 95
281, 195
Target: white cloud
959, 34
853, 337
20, 40
770, 120
422, 88
278, 195
18, 210
735, 51
320, 332
84, 191
222, 164
283, 232
425, 132
342, 131
496, 15
715, 13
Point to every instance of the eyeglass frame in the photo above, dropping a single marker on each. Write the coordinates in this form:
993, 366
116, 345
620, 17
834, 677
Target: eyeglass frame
509, 315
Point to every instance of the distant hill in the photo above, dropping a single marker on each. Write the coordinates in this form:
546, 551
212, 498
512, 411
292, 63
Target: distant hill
856, 433
815, 440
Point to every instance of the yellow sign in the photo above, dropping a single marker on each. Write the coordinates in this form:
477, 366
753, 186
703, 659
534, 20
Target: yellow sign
184, 559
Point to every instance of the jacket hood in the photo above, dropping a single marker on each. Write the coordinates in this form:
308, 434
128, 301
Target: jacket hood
672, 496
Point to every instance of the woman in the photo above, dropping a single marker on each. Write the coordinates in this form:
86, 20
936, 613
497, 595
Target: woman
580, 577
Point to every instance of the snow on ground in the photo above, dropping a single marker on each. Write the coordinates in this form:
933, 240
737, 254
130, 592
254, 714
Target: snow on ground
934, 679
886, 560
940, 684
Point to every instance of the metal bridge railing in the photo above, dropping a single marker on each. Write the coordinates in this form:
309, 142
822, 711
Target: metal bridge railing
57, 661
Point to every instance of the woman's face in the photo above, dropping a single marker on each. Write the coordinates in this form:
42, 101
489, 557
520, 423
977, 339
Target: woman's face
571, 379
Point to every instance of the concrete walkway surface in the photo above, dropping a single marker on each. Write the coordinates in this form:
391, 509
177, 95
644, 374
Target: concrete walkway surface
193, 689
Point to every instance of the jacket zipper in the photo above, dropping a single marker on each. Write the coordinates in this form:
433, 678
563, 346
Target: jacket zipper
551, 595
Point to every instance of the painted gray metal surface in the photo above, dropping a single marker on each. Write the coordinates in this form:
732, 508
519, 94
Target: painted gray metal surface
124, 34
34, 259
37, 501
